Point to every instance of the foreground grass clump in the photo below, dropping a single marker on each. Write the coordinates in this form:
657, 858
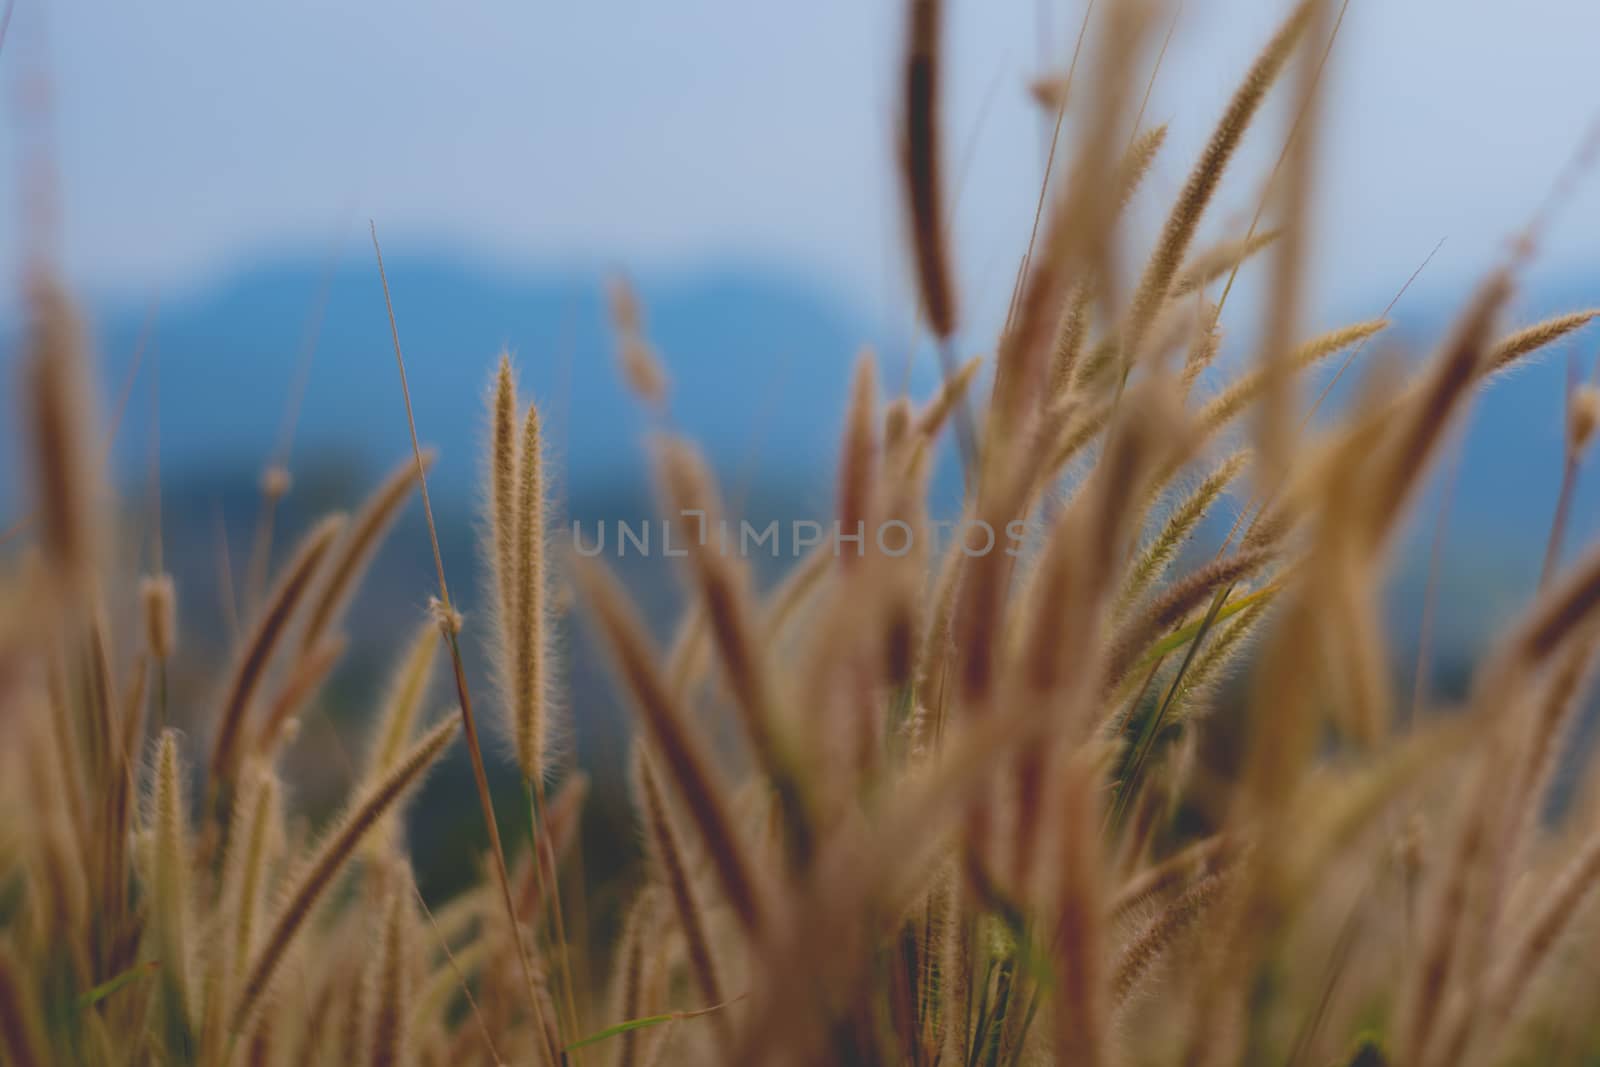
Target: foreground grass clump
979, 817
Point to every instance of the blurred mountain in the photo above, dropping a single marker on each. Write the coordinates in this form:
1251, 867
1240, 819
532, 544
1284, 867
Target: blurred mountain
758, 362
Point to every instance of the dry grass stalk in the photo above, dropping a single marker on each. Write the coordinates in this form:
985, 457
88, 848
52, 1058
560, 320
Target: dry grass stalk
314, 881
1155, 285
529, 711
667, 725
640, 367
921, 169
668, 854
62, 437
251, 662
357, 548
1509, 350
158, 600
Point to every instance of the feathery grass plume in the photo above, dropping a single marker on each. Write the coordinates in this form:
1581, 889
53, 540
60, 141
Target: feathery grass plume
120, 794
61, 421
640, 366
1203, 346
158, 601
932, 417
1448, 383
319, 872
450, 625
244, 878
358, 547
1150, 945
858, 460
1184, 868
1072, 332
530, 714
905, 569
1217, 655
390, 1042
170, 874
1152, 561
1247, 388
1277, 430
100, 712
231, 927
1174, 603
690, 771
1508, 350
305, 678
24, 1041
668, 854
501, 551
256, 652
690, 493
408, 684
1077, 238
1077, 947
1212, 263
921, 170
561, 818
1072, 327
627, 997
1176, 236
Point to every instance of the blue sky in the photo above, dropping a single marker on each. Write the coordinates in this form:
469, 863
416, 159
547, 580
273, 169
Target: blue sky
195, 136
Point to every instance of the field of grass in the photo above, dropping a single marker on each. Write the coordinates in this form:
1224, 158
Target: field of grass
1064, 785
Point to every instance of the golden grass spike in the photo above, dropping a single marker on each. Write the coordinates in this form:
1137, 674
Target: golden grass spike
1510, 349
391, 1042
641, 368
306, 677
921, 168
1448, 383
158, 601
691, 494
62, 435
1237, 397
244, 879
408, 684
1073, 325
171, 880
703, 794
450, 624
530, 712
668, 854
1155, 285
1077, 239
358, 547
120, 795
858, 462
937, 412
1153, 560
1147, 948
1173, 604
1072, 332
501, 551
251, 662
627, 998
336, 848
1211, 264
